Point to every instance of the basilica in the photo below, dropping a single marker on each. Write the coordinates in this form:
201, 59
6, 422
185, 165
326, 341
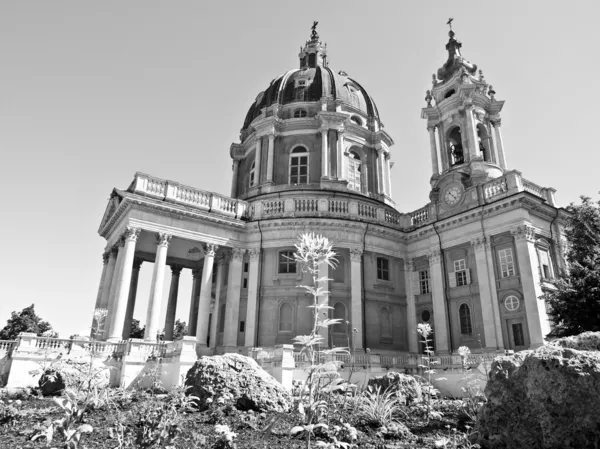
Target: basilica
314, 156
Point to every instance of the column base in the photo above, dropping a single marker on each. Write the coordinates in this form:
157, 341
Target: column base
202, 349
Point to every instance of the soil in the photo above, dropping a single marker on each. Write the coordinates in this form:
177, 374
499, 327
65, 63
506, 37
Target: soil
197, 429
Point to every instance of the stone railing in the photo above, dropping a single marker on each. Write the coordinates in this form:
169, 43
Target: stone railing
189, 196
512, 182
533, 188
420, 216
6, 347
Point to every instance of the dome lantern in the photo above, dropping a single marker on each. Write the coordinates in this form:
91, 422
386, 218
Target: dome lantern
314, 52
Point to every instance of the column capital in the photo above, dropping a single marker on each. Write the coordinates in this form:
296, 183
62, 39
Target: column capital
220, 259
197, 273
131, 234
254, 253
137, 263
431, 128
114, 250
237, 253
323, 128
435, 256
387, 156
163, 239
409, 264
105, 256
523, 232
496, 122
355, 254
341, 130
210, 249
479, 243
176, 269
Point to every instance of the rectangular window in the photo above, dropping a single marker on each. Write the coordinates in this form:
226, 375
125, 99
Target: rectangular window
245, 284
507, 262
299, 170
545, 264
518, 336
383, 269
287, 263
460, 272
242, 326
424, 282
214, 274
246, 267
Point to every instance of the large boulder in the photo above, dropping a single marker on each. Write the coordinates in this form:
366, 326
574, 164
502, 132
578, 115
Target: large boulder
406, 385
51, 383
546, 398
236, 379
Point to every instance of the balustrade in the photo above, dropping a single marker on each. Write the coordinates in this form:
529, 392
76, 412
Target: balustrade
495, 188
420, 216
306, 205
533, 188
273, 206
367, 210
338, 206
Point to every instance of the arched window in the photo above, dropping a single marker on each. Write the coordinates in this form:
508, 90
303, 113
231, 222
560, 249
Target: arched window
222, 318
356, 119
252, 174
299, 166
285, 317
449, 93
455, 146
464, 313
354, 172
483, 140
298, 113
339, 312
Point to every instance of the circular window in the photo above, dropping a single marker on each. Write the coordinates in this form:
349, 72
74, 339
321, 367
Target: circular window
511, 303
425, 316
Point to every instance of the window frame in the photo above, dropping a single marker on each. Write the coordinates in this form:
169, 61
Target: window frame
338, 328
383, 271
252, 175
508, 265
461, 273
355, 166
300, 113
279, 321
424, 287
466, 326
299, 155
287, 261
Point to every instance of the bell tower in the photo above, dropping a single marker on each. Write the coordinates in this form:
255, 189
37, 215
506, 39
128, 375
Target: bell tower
464, 113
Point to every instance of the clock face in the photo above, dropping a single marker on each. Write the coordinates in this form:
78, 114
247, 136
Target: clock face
453, 195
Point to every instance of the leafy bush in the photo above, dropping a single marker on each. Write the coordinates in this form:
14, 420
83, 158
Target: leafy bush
377, 408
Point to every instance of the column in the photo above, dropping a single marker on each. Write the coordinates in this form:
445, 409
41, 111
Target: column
489, 254
324, 153
340, 154
253, 297
537, 318
257, 160
498, 143
234, 179
204, 302
123, 282
411, 311
380, 182
110, 270
96, 319
156, 289
232, 309
193, 318
471, 131
443, 152
113, 288
435, 168
439, 302
270, 155
356, 308
172, 302
324, 299
487, 294
388, 177
135, 274
220, 260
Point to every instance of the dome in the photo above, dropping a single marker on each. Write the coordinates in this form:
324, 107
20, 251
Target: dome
310, 84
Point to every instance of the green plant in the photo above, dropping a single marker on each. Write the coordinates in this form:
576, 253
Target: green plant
377, 408
473, 397
312, 253
67, 426
226, 437
427, 363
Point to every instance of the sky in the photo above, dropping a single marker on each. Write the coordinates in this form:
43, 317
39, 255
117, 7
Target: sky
91, 92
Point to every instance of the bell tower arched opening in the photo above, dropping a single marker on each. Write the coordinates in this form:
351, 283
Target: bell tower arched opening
485, 148
456, 154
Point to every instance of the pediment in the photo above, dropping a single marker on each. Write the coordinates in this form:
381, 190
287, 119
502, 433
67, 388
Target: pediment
111, 208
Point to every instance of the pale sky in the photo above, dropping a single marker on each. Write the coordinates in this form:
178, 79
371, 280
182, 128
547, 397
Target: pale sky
91, 92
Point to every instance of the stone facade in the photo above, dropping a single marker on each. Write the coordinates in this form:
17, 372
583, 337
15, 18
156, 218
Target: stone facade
314, 157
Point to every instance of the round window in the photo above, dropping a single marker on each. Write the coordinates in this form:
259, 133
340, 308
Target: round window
425, 316
511, 303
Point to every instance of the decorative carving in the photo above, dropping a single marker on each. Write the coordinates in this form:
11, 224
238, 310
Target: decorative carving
478, 243
428, 98
131, 234
253, 254
176, 269
356, 254
105, 256
435, 256
220, 260
492, 92
524, 232
237, 253
409, 264
163, 238
210, 249
431, 128
433, 79
197, 273
114, 250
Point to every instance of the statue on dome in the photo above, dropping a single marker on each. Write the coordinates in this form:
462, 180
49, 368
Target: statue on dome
313, 35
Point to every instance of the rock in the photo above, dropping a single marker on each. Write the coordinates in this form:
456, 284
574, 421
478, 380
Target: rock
238, 380
51, 383
546, 398
407, 385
